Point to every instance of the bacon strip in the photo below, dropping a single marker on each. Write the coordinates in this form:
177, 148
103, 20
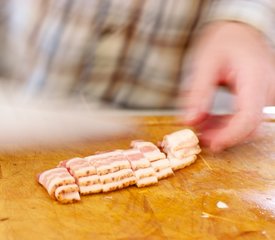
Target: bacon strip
144, 173
80, 167
136, 159
155, 156
149, 150
60, 185
181, 148
114, 170
109, 162
182, 163
85, 174
185, 138
164, 173
67, 193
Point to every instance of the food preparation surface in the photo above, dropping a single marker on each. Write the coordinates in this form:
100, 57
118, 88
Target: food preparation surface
230, 195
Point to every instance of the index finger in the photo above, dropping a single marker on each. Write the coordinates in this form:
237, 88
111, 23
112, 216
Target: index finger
250, 101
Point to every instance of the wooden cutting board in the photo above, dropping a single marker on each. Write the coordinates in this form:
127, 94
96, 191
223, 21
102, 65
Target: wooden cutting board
188, 205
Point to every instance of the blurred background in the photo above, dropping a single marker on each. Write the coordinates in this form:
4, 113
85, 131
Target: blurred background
106, 54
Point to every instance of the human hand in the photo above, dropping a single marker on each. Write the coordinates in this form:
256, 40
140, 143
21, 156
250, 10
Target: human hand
237, 56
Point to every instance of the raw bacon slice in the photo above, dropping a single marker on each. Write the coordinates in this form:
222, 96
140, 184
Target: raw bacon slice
79, 167
121, 162
148, 181
181, 148
44, 176
126, 182
88, 180
109, 162
161, 164
85, 174
162, 168
89, 184
136, 159
177, 164
186, 152
114, 170
67, 193
116, 176
59, 184
112, 186
155, 156
90, 189
149, 150
164, 173
144, 173
53, 178
178, 140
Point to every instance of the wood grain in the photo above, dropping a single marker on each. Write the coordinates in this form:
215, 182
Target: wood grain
1, 175
181, 207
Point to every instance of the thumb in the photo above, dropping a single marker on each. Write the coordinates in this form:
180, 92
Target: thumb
199, 95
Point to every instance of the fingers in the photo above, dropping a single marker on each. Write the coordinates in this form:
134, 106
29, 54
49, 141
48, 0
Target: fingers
241, 126
210, 126
198, 98
214, 123
250, 101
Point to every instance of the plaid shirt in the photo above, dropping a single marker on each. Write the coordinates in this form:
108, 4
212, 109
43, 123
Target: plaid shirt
125, 52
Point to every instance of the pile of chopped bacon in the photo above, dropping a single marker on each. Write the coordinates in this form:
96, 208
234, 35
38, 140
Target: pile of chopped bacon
142, 165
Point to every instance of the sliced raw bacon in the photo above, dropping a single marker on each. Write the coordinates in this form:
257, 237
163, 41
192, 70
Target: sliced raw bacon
143, 165
148, 181
109, 162
114, 170
155, 156
179, 140
177, 164
164, 173
144, 173
43, 177
60, 185
136, 159
160, 164
67, 193
90, 189
79, 167
112, 186
185, 152
116, 176
89, 184
88, 180
162, 168
181, 148
85, 174
149, 150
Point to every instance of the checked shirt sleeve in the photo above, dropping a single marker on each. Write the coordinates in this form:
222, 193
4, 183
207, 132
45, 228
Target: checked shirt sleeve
259, 14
